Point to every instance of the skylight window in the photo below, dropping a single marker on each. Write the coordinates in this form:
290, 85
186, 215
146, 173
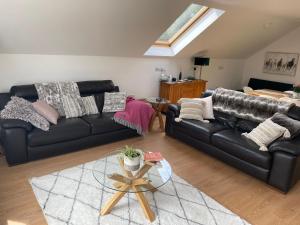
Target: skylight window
187, 18
192, 22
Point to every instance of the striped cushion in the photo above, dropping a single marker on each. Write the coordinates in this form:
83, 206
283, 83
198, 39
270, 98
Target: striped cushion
71, 106
265, 133
191, 109
90, 105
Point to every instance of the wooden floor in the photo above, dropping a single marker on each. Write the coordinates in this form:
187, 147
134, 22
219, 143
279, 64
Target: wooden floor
246, 196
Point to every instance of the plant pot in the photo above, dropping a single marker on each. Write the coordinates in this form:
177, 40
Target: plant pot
132, 164
296, 95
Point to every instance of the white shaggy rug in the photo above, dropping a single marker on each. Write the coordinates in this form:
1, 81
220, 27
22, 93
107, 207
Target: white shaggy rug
73, 197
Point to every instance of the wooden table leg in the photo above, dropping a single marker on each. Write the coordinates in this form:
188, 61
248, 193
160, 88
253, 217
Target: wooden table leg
114, 200
161, 122
137, 181
144, 204
152, 121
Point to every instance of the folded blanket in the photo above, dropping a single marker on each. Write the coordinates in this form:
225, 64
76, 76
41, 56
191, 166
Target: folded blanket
244, 106
137, 115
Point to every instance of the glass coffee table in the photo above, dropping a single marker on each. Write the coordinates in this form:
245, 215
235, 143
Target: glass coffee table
110, 172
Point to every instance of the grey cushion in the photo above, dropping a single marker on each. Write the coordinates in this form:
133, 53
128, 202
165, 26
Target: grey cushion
292, 125
19, 108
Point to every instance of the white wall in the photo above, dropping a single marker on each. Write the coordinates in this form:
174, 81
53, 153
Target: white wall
225, 73
136, 76
254, 64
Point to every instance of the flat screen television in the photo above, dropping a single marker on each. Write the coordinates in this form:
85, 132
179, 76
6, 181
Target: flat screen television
201, 61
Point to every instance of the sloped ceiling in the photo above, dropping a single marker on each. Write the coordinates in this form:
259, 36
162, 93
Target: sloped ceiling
129, 27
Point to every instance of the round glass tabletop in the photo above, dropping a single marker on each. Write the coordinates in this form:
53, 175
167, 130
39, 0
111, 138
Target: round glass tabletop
110, 172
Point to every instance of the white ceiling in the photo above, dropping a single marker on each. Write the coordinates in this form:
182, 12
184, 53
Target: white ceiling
129, 27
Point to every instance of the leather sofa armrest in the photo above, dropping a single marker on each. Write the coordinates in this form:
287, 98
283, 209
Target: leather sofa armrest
15, 123
290, 146
207, 93
172, 112
175, 109
14, 142
285, 171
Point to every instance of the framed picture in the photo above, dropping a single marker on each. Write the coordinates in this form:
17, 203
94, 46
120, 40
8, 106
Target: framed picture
281, 63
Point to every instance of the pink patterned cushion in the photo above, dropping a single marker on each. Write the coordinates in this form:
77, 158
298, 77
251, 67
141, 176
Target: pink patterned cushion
45, 110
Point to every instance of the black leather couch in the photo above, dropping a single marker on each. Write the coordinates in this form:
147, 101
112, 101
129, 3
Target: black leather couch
255, 84
22, 142
221, 138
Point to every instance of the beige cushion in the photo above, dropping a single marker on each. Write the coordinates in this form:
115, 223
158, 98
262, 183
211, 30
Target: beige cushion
265, 133
191, 109
208, 112
247, 89
45, 110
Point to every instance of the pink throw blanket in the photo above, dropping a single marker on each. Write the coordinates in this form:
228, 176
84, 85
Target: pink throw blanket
137, 115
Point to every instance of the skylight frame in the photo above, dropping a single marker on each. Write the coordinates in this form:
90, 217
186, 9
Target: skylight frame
183, 29
199, 26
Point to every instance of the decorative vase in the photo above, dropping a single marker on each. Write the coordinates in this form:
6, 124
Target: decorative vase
296, 95
132, 164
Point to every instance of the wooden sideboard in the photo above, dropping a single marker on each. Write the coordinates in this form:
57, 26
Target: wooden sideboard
173, 91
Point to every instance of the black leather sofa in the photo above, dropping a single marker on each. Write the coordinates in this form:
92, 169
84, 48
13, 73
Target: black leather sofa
221, 138
22, 142
255, 84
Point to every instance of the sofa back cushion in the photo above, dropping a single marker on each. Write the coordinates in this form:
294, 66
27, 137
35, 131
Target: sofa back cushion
255, 84
86, 88
245, 125
28, 92
225, 119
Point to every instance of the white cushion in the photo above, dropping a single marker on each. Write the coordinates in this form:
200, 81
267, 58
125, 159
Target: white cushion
208, 112
191, 109
265, 133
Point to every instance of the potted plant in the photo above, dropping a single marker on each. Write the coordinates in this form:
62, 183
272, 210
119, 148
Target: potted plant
131, 157
296, 90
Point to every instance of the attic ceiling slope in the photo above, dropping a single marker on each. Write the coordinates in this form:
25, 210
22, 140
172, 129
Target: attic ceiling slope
80, 27
127, 28
239, 34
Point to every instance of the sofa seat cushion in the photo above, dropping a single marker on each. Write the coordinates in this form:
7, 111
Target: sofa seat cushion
201, 130
102, 123
65, 130
233, 143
